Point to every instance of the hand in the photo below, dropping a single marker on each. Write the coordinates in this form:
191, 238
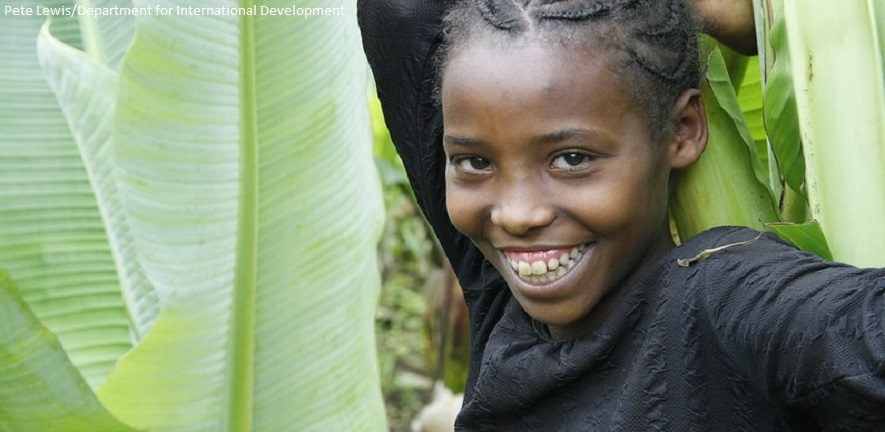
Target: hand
729, 21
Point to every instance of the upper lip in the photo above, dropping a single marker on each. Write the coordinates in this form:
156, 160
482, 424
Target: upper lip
536, 248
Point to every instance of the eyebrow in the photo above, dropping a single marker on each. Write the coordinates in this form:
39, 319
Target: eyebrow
461, 141
565, 134
548, 138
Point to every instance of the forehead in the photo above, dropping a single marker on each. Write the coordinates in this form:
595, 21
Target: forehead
533, 63
531, 80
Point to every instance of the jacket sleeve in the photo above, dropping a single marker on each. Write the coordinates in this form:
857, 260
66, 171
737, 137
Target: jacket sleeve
809, 331
401, 39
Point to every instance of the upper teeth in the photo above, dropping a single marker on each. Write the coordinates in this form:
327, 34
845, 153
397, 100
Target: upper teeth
551, 269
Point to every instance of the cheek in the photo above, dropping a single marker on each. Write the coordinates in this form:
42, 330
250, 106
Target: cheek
621, 206
650, 190
464, 209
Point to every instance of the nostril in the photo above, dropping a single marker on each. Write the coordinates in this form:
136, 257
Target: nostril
521, 218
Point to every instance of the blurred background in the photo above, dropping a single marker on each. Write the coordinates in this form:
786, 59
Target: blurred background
422, 327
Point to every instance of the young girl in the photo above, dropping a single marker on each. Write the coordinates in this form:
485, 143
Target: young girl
545, 168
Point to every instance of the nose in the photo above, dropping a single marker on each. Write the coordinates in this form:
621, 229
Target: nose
520, 211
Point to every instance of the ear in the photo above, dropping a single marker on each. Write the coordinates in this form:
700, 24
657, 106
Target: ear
690, 139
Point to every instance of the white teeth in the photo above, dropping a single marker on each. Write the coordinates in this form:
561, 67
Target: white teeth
525, 268
540, 271
553, 264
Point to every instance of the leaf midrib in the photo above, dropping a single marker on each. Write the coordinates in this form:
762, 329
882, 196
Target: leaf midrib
242, 354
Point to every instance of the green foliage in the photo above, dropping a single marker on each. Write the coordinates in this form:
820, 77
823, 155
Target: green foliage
179, 216
410, 263
836, 62
42, 390
726, 186
52, 238
818, 163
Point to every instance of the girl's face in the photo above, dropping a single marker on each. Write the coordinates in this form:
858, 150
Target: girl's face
553, 173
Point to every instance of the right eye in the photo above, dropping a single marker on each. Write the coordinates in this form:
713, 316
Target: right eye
472, 164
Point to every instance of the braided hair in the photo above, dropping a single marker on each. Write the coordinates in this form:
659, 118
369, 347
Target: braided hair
653, 42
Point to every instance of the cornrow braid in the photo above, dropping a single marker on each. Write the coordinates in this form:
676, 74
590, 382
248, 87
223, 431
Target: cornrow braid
649, 39
502, 14
653, 42
573, 10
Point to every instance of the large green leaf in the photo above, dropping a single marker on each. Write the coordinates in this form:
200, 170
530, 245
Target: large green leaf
750, 99
836, 62
74, 77
107, 36
780, 111
724, 87
807, 236
51, 235
722, 188
40, 390
241, 147
791, 204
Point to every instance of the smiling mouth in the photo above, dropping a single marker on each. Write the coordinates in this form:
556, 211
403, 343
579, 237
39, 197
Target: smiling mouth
545, 266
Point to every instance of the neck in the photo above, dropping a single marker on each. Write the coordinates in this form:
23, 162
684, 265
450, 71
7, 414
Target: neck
608, 303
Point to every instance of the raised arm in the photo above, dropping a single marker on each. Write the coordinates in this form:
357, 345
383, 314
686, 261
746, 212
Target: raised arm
730, 21
400, 39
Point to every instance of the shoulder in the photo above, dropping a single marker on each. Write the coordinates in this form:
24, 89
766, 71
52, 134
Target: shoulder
806, 331
743, 248
734, 235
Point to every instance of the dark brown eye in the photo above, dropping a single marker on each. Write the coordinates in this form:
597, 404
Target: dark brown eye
473, 164
570, 161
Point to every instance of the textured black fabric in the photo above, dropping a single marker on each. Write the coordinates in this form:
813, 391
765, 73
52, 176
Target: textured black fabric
760, 337
756, 338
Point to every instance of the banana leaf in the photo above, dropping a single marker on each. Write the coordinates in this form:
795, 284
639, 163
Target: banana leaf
52, 240
826, 96
725, 186
239, 155
41, 389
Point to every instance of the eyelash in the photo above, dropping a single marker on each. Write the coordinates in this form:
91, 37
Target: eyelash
585, 161
458, 163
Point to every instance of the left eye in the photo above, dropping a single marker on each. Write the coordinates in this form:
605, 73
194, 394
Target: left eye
570, 161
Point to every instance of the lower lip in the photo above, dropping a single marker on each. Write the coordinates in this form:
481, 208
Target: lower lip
553, 289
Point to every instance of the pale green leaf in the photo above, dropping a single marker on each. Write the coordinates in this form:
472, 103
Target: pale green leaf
750, 99
780, 111
107, 35
837, 68
761, 13
721, 82
51, 237
807, 236
243, 152
877, 9
65, 26
40, 390
749, 96
735, 64
721, 188
86, 93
